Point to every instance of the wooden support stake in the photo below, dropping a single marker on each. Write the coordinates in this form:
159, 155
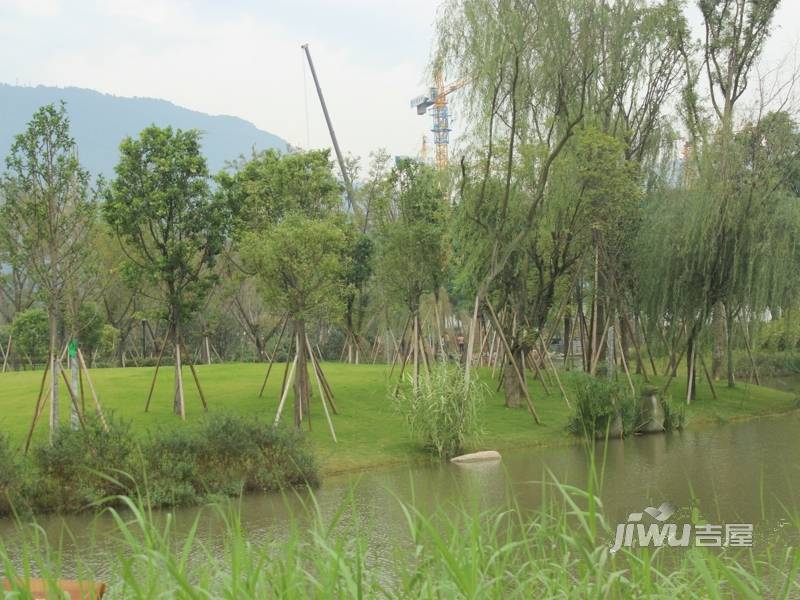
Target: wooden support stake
158, 365
196, 378
555, 373
400, 347
179, 381
324, 387
513, 361
749, 351
286, 390
7, 353
272, 358
322, 396
471, 341
38, 410
91, 389
708, 377
622, 357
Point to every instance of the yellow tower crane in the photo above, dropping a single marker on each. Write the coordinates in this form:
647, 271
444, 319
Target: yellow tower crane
436, 99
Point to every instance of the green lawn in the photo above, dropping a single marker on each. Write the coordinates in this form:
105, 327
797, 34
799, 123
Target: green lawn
369, 431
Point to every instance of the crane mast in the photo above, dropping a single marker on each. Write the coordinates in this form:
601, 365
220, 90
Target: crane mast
436, 100
348, 186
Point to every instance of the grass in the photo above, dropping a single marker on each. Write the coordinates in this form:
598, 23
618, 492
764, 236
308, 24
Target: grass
561, 550
369, 429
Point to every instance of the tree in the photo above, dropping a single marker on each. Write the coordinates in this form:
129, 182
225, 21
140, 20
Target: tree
291, 237
734, 35
541, 75
410, 252
50, 209
171, 226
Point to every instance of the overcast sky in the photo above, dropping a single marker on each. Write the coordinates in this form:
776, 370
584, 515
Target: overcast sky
243, 58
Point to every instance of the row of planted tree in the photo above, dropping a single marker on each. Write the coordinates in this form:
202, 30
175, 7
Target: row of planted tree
610, 193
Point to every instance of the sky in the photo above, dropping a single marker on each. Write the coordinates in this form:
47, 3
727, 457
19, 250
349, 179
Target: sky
243, 58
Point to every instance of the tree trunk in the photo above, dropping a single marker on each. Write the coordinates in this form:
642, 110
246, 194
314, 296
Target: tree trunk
301, 383
178, 404
74, 419
511, 384
55, 365
729, 347
718, 335
691, 379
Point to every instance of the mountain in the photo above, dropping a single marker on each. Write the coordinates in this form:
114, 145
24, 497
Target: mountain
99, 122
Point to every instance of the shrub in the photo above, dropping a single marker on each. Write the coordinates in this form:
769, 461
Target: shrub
598, 403
767, 363
443, 412
222, 455
82, 466
225, 455
9, 477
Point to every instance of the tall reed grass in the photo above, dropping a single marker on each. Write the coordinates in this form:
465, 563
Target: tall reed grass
560, 550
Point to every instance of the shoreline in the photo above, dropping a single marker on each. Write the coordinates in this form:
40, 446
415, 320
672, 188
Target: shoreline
411, 461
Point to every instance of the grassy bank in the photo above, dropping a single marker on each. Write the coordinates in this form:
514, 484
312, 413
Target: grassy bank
369, 429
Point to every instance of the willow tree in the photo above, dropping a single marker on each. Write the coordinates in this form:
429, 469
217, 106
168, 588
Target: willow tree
735, 32
170, 224
49, 210
538, 74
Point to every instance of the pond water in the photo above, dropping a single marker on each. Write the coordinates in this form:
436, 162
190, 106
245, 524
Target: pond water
741, 472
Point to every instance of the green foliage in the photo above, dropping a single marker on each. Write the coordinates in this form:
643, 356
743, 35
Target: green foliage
87, 327
48, 207
559, 549
601, 406
223, 455
81, 467
443, 412
261, 191
299, 265
780, 335
10, 477
411, 252
674, 413
31, 334
161, 207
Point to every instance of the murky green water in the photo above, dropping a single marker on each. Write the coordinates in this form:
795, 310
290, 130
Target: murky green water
746, 472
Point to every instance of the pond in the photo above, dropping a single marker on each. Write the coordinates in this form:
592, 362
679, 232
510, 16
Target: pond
741, 472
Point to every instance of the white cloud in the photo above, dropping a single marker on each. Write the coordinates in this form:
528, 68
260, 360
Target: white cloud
33, 8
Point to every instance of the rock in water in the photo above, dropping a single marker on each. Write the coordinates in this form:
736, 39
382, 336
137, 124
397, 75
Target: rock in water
484, 456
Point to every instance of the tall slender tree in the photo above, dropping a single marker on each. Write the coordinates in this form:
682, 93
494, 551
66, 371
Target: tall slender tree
171, 226
50, 208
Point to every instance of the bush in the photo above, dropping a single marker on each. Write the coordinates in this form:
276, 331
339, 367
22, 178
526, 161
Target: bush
443, 412
9, 477
82, 466
598, 405
773, 364
223, 455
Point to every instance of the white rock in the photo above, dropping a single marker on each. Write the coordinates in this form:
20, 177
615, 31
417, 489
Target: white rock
483, 456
